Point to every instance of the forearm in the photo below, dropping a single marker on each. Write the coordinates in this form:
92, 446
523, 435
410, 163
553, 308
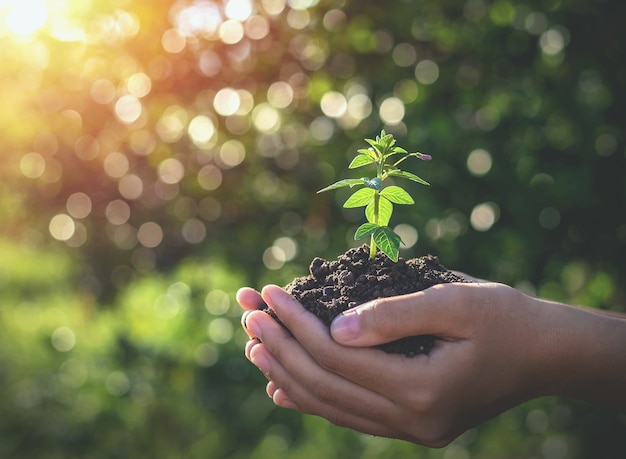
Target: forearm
585, 355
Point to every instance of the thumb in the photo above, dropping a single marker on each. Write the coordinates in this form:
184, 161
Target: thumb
435, 311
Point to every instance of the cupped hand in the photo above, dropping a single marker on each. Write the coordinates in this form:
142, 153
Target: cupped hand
477, 368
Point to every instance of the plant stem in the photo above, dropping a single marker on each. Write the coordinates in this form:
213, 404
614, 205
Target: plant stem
376, 212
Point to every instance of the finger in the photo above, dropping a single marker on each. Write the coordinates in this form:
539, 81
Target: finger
370, 368
249, 345
305, 401
438, 310
249, 299
314, 390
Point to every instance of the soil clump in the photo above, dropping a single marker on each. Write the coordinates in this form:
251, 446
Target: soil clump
353, 279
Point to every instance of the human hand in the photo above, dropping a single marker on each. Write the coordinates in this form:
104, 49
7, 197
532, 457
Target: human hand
496, 348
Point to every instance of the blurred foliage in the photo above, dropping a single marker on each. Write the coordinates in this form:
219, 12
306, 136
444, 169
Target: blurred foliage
159, 155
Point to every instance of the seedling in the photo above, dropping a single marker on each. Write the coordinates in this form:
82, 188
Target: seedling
379, 201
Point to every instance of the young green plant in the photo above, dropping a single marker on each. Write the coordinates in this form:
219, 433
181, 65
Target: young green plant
378, 201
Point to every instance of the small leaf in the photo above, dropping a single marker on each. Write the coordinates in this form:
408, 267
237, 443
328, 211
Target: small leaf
385, 209
397, 195
368, 152
361, 160
375, 146
342, 183
360, 198
364, 230
407, 175
388, 242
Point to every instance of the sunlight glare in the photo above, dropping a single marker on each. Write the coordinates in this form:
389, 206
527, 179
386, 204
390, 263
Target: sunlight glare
24, 17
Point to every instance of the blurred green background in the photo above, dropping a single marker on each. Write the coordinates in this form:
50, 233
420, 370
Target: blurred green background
157, 156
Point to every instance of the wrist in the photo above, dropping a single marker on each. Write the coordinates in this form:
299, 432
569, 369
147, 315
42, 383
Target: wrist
582, 355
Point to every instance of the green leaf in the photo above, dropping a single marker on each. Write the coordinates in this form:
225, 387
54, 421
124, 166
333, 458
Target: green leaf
407, 175
365, 230
385, 209
342, 183
360, 198
361, 160
375, 146
397, 195
388, 242
368, 152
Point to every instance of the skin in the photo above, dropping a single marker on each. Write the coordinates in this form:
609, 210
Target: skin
496, 348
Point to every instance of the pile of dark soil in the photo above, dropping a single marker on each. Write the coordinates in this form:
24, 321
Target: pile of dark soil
354, 278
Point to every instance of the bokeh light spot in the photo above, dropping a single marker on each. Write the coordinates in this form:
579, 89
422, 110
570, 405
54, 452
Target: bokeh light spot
32, 165
206, 355
194, 231
606, 144
117, 383
549, 218
117, 212
404, 54
273, 7
171, 125
130, 186
128, 109
220, 330
63, 339
79, 205
266, 118
427, 71
226, 102
217, 302
552, 41
171, 171
288, 246
334, 104
408, 234
232, 153
239, 10
150, 234
79, 237
231, 32
139, 85
484, 216
116, 165
173, 41
322, 129
201, 130
210, 177
274, 258
201, 18
280, 94
391, 111
359, 106
87, 147
62, 227
479, 162
257, 27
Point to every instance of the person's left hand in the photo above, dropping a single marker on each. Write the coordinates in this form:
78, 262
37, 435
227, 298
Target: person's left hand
365, 389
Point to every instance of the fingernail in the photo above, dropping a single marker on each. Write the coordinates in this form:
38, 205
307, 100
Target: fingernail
345, 327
